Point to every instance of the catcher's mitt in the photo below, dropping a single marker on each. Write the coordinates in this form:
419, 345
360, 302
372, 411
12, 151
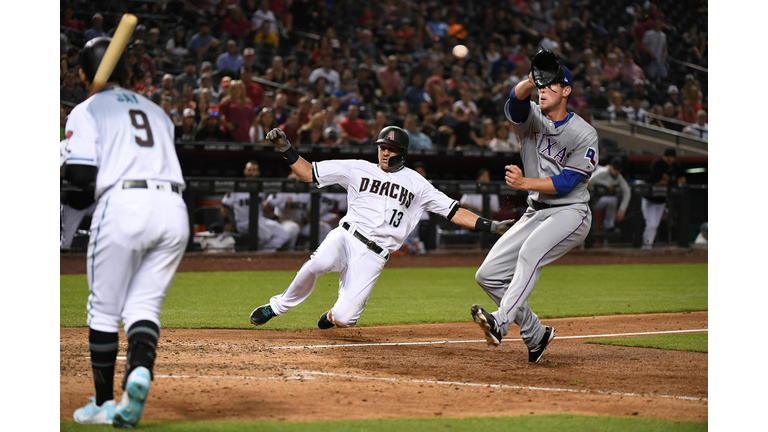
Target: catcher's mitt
547, 68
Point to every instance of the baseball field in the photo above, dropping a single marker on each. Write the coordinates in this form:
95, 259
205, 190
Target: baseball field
630, 352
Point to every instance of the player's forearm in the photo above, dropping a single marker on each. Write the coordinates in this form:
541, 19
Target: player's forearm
465, 218
524, 89
303, 169
543, 185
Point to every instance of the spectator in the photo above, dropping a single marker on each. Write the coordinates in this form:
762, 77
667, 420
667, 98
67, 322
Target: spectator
504, 140
148, 64
700, 128
153, 45
333, 118
202, 41
376, 124
277, 73
265, 36
211, 130
206, 83
263, 123
70, 61
71, 91
635, 112
235, 23
166, 103
415, 93
280, 108
597, 100
166, 86
665, 171
303, 108
417, 139
466, 104
236, 112
313, 131
436, 27
390, 82
366, 85
264, 14
326, 71
346, 93
177, 112
253, 90
655, 45
399, 118
249, 59
236, 212
291, 126
474, 81
187, 130
614, 186
577, 102
230, 61
611, 69
353, 129
177, 45
463, 137
455, 84
687, 114
631, 72
188, 75
96, 28
67, 19
474, 202
366, 48
673, 93
503, 65
617, 109
203, 105
670, 113
656, 114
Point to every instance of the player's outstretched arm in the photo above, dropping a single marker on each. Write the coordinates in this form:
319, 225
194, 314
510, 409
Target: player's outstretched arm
466, 219
298, 164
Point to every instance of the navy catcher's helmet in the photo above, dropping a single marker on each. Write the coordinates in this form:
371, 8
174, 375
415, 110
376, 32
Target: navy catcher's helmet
397, 137
91, 56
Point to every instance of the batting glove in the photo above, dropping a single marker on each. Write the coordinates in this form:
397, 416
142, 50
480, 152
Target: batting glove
278, 138
501, 227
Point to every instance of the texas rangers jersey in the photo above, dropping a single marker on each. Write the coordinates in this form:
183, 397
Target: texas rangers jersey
240, 203
547, 149
384, 207
125, 135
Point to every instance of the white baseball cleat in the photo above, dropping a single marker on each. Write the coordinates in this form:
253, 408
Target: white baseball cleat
92, 414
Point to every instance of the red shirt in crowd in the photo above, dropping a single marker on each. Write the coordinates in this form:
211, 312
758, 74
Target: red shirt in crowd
355, 128
255, 93
242, 116
291, 133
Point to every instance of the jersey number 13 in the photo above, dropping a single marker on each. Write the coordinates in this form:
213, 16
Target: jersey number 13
140, 121
397, 216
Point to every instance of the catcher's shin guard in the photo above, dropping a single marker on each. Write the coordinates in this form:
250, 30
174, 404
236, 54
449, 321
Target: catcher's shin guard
142, 343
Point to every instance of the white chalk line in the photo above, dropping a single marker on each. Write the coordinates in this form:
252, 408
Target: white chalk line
474, 341
304, 375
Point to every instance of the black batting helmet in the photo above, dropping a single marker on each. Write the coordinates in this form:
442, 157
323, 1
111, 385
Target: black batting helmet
91, 56
397, 137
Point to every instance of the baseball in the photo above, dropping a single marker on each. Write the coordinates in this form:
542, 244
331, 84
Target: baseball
460, 51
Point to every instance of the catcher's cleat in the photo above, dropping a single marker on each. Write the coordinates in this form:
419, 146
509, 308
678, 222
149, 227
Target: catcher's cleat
534, 354
128, 411
324, 323
487, 322
92, 414
262, 314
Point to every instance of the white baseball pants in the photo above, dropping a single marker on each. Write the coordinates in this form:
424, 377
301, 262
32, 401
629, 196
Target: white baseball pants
138, 237
272, 235
609, 204
652, 213
359, 269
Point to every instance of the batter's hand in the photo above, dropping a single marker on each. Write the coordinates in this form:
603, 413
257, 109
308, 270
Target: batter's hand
501, 227
278, 138
514, 177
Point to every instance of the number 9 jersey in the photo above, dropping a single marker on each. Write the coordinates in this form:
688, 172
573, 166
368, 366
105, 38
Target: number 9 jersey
125, 135
384, 207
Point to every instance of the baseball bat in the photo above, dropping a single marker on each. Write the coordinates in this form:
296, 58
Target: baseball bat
114, 51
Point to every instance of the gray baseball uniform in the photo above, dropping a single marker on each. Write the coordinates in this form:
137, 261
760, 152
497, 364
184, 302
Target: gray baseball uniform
551, 226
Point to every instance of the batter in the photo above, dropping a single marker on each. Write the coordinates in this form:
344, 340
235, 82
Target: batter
559, 153
120, 145
386, 202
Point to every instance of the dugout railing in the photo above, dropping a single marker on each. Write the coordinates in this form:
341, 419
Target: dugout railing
513, 202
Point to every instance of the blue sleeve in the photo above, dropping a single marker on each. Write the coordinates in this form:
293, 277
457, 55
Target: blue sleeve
566, 181
518, 110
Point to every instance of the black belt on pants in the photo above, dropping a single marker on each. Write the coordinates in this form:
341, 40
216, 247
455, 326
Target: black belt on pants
541, 206
368, 243
142, 184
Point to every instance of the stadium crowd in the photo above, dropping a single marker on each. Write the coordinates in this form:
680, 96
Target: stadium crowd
335, 72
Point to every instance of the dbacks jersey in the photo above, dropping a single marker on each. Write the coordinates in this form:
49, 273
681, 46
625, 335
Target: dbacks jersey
384, 207
240, 203
125, 135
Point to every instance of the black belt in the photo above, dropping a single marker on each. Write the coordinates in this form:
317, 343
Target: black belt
142, 184
370, 244
541, 206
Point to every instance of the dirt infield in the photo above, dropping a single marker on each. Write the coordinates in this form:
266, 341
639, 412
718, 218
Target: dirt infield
75, 263
406, 371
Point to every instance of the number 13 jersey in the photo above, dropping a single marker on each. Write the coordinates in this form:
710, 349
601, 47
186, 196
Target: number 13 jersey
125, 135
384, 207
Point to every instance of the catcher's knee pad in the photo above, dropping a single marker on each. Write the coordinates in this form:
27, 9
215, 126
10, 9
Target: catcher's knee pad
142, 343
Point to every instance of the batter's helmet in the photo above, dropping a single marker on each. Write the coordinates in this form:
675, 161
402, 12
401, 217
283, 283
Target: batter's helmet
397, 137
91, 56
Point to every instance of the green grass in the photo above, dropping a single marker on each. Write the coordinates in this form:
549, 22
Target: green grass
697, 342
561, 422
226, 299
